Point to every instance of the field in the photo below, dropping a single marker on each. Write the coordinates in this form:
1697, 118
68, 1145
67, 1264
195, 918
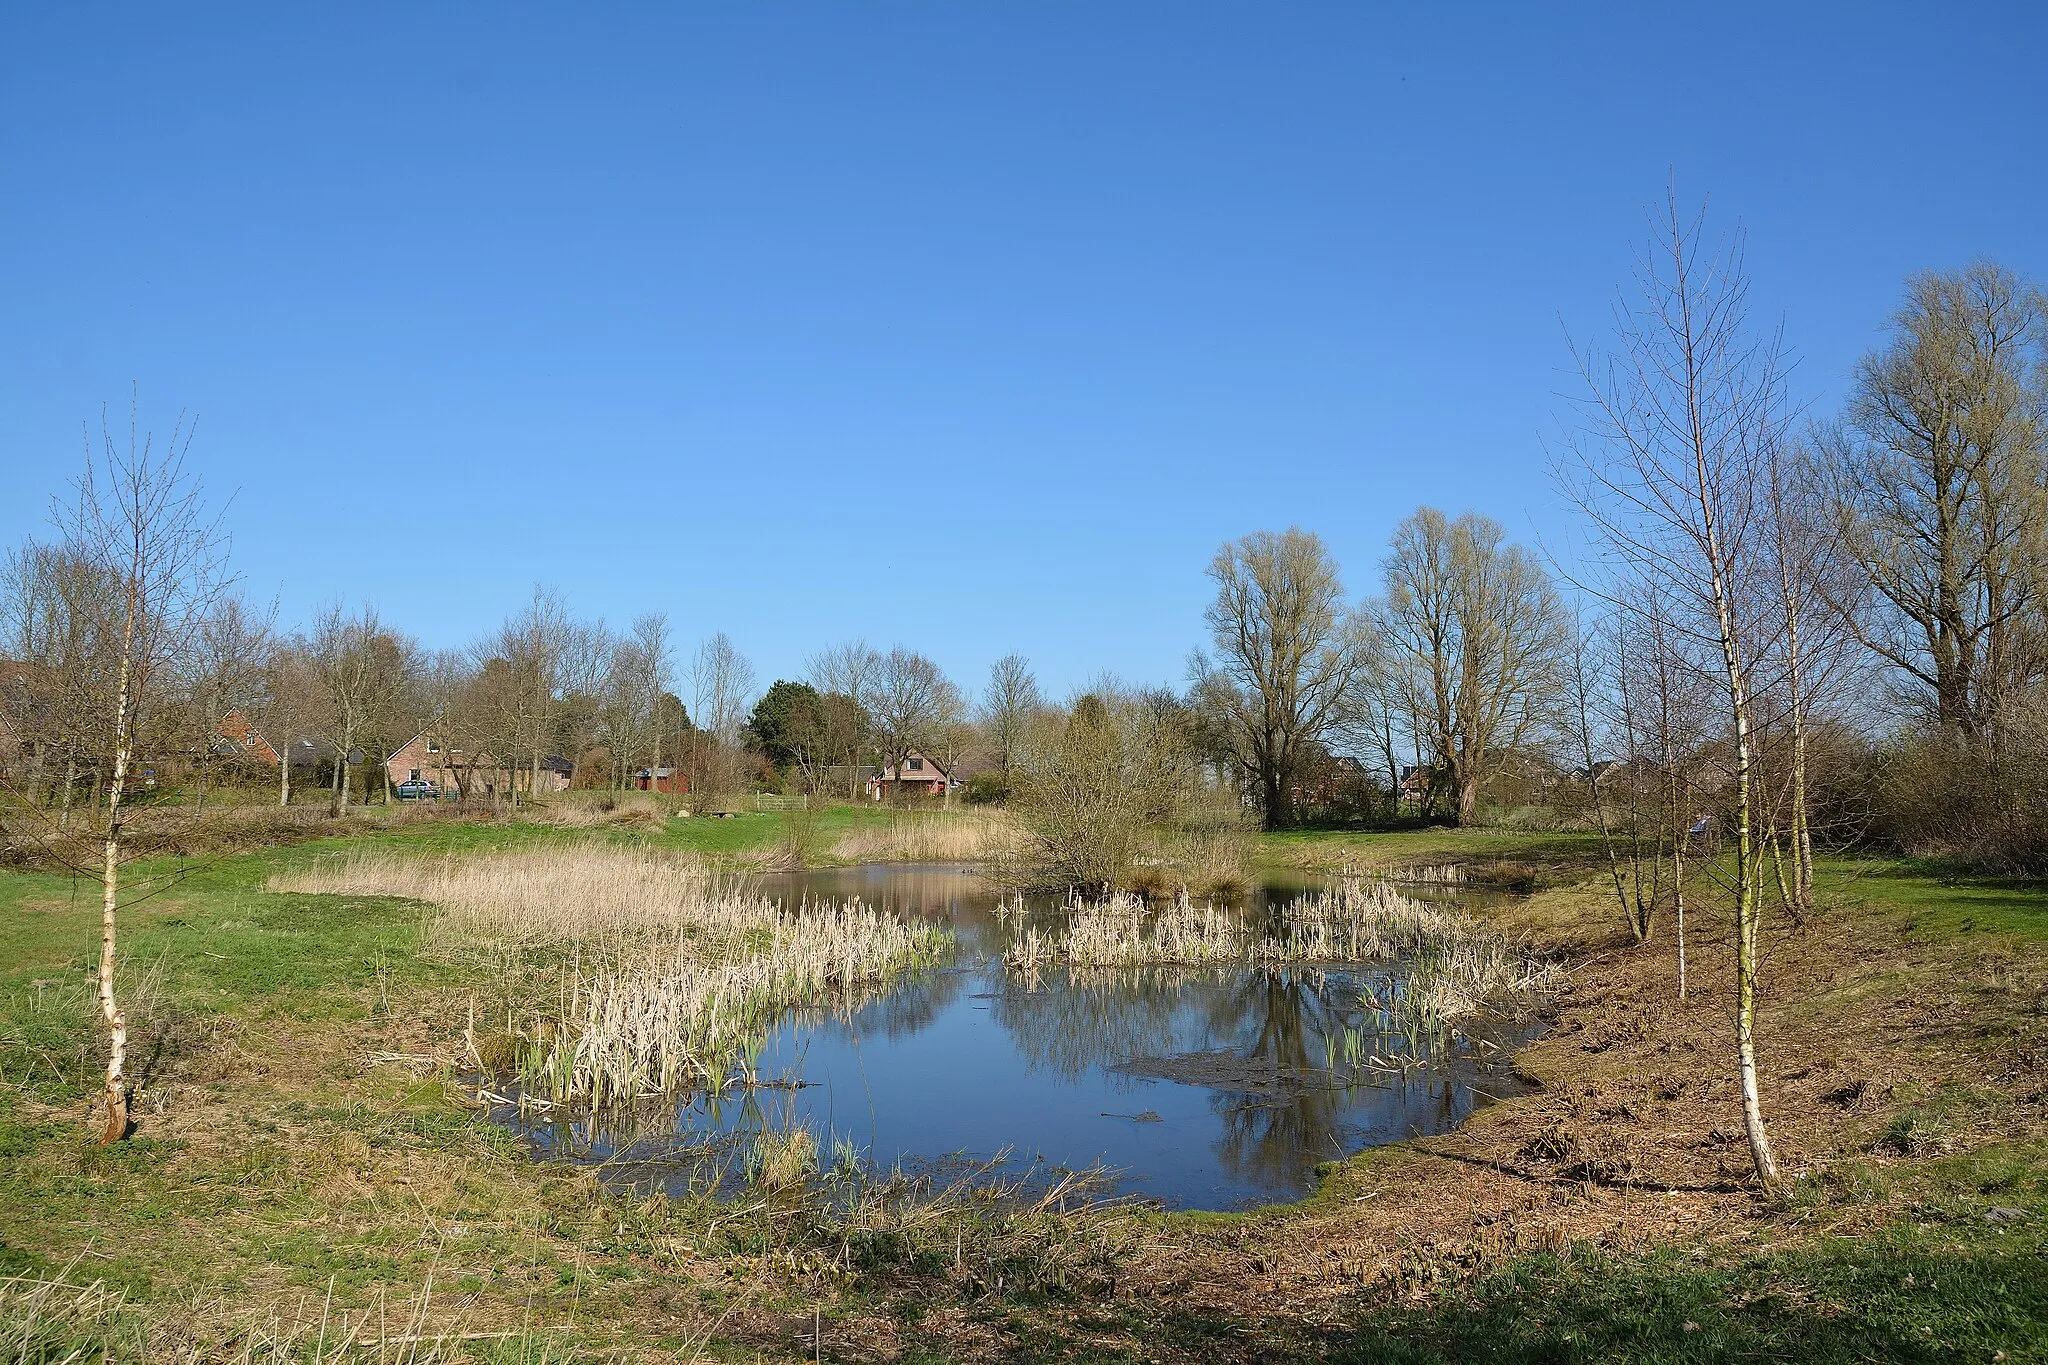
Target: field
307, 1165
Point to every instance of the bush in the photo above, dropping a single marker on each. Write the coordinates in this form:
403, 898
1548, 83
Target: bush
1939, 797
991, 788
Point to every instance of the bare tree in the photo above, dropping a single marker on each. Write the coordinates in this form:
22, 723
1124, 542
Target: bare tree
638, 673
58, 604
139, 521
1008, 704
1287, 654
1485, 635
1938, 475
850, 670
364, 670
533, 648
289, 706
911, 703
1601, 719
1686, 411
722, 683
223, 672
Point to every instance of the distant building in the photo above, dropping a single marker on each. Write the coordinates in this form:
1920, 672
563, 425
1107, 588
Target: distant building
240, 739
423, 758
919, 775
662, 780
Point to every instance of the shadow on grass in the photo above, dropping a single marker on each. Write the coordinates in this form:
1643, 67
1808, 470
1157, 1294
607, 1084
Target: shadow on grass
1867, 1302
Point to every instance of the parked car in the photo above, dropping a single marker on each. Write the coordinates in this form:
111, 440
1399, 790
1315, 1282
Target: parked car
419, 789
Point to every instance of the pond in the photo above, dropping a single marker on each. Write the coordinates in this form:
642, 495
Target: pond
1198, 1088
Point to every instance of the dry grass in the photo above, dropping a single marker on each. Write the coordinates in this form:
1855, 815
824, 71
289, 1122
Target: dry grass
585, 810
662, 972
32, 838
1123, 931
1455, 965
50, 1320
931, 837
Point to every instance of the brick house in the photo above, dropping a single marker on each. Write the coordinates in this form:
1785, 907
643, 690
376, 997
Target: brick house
245, 740
423, 758
920, 776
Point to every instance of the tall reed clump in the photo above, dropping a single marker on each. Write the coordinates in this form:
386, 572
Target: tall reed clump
930, 837
1121, 930
662, 974
1455, 964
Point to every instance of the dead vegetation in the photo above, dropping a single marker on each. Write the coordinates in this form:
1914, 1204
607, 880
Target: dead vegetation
1452, 965
930, 837
624, 973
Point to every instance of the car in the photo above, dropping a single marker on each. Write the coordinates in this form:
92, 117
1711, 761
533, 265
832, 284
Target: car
418, 789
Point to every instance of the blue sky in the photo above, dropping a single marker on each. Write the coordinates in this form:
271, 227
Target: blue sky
973, 327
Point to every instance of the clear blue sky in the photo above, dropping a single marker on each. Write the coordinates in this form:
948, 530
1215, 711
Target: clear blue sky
969, 326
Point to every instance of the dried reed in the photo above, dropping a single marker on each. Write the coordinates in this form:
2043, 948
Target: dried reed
930, 837
1453, 964
666, 973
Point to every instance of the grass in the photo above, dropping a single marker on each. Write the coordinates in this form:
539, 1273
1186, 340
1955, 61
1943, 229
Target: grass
300, 1129
1949, 1284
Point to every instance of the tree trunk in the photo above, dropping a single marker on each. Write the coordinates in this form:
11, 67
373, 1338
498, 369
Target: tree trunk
117, 1123
1749, 868
339, 806
1279, 799
284, 776
70, 787
1468, 796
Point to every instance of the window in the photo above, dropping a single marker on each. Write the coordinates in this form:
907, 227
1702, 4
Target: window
414, 774
917, 765
433, 746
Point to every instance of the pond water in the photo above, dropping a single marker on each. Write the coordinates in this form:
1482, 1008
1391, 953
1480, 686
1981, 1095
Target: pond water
1210, 1088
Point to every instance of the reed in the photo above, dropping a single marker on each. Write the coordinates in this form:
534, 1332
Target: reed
1453, 965
782, 1159
663, 973
930, 837
1122, 931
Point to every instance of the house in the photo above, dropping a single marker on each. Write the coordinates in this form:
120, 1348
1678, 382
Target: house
240, 739
423, 758
1416, 782
919, 776
662, 780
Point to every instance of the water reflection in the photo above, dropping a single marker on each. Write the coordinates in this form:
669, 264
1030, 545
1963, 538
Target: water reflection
1207, 1088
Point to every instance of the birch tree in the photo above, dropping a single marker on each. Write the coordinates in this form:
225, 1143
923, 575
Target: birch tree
140, 522
1685, 410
